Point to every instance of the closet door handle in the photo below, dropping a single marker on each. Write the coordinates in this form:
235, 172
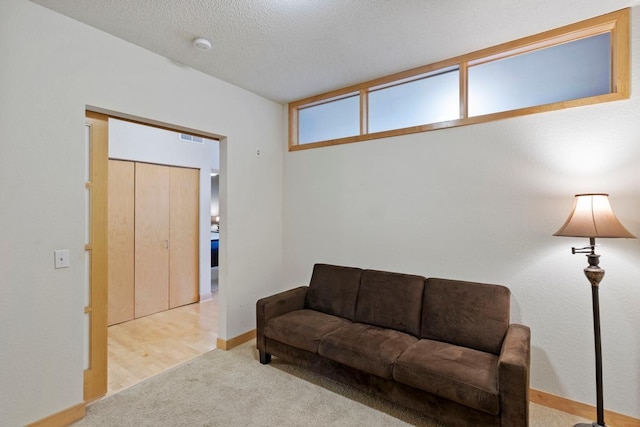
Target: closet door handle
166, 244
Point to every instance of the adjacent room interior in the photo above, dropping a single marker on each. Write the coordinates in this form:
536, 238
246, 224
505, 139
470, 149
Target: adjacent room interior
158, 315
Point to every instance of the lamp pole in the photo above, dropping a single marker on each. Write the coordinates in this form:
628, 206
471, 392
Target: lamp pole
595, 274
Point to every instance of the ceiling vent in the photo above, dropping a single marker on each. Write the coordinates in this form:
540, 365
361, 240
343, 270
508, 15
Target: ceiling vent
191, 138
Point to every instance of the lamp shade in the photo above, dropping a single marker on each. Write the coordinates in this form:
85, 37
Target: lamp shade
592, 216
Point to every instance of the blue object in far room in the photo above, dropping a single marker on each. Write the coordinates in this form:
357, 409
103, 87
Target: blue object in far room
214, 249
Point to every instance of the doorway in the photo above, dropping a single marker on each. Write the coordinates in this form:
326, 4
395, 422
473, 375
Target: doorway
101, 346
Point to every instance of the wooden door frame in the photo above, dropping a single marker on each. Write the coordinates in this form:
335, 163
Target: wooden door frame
95, 376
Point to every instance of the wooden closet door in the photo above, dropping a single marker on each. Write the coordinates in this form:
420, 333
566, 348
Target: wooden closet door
120, 264
183, 254
151, 239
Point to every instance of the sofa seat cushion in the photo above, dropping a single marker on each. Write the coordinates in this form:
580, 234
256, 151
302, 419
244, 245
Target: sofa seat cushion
464, 375
365, 347
302, 329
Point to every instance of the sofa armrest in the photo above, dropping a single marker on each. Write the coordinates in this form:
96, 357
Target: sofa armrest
276, 305
513, 376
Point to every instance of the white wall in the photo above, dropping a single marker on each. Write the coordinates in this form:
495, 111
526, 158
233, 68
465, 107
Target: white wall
132, 141
52, 68
481, 203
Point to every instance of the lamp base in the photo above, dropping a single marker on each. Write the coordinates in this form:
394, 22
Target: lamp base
594, 424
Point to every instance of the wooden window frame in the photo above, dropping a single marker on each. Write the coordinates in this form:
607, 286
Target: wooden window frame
614, 23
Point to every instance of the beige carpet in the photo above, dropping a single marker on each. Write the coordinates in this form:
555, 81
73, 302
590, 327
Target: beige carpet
233, 389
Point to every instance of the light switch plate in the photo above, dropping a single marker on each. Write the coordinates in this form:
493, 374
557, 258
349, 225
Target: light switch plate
61, 258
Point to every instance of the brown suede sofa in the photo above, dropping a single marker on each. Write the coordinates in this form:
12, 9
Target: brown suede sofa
444, 348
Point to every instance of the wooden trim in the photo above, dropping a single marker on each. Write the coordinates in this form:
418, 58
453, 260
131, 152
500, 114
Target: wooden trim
150, 123
95, 116
621, 61
463, 73
62, 418
581, 409
544, 42
95, 377
570, 32
234, 342
293, 127
617, 23
364, 112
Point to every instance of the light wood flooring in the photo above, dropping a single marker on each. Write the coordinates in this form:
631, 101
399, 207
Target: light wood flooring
145, 347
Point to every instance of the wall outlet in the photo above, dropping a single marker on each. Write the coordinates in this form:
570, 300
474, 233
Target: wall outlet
61, 258
258, 152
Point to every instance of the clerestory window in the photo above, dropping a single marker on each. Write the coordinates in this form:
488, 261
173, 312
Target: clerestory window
580, 64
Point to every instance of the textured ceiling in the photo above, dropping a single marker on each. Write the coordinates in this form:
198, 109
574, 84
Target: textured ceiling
289, 49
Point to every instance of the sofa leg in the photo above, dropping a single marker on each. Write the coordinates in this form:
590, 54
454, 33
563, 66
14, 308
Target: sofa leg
265, 358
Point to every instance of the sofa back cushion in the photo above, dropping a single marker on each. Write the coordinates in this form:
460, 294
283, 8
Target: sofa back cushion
333, 290
468, 314
391, 300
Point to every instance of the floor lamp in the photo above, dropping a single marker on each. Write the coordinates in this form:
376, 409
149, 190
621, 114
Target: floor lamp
593, 217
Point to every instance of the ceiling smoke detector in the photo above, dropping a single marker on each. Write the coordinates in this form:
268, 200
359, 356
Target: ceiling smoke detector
202, 43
